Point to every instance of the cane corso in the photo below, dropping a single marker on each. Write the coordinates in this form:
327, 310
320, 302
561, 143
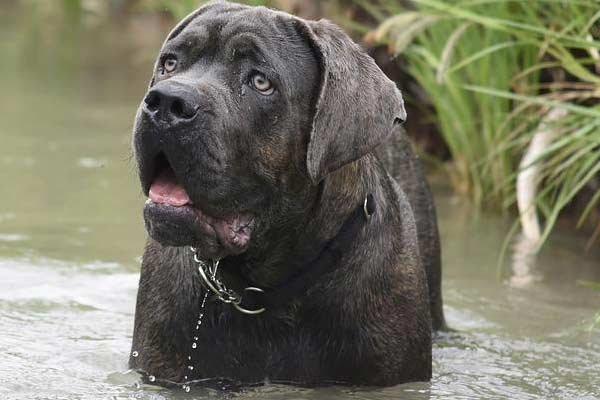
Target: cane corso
281, 248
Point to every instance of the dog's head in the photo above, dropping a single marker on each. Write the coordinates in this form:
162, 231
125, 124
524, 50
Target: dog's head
247, 111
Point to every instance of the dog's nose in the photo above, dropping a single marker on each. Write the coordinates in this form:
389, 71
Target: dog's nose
172, 102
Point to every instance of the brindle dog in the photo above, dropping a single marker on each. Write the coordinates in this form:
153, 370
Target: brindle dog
256, 143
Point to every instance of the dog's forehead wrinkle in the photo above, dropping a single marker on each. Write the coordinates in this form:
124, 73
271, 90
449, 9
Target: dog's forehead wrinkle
246, 45
243, 40
266, 37
192, 35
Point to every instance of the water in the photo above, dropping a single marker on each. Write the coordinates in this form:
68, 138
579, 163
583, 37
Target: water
71, 235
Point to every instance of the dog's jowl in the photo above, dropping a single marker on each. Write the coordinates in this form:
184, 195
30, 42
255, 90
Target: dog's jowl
259, 146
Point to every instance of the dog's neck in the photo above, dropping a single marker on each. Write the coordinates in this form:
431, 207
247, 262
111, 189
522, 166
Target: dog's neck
330, 204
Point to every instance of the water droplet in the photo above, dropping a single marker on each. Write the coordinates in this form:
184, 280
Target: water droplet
195, 337
197, 326
189, 357
151, 378
194, 345
185, 377
190, 367
186, 388
135, 354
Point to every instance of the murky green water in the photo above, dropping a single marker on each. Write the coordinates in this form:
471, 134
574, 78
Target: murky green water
71, 233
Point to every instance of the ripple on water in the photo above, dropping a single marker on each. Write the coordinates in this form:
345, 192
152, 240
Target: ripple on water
485, 365
13, 237
71, 325
90, 162
64, 327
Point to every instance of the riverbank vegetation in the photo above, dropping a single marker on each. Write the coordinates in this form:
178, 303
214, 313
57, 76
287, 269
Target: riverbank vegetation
497, 73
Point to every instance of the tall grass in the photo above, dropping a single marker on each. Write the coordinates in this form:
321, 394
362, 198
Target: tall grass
493, 69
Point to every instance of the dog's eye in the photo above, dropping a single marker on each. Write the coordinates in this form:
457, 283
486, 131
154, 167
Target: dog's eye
262, 84
169, 65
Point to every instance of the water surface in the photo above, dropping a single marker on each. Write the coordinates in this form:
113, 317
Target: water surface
71, 235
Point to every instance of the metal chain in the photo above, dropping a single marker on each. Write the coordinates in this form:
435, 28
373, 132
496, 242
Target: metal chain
212, 283
209, 276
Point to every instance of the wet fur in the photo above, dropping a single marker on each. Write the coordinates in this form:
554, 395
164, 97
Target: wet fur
366, 323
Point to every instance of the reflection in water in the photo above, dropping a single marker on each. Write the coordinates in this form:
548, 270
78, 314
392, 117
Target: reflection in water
71, 234
524, 258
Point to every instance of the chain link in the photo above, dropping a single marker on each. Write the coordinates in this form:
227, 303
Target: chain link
209, 276
208, 273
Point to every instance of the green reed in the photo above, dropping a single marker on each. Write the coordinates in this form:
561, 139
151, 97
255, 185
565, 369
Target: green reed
492, 70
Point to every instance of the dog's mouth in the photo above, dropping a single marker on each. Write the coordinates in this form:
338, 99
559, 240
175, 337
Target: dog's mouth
169, 199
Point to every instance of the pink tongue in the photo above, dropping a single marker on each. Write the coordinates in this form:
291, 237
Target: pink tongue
165, 190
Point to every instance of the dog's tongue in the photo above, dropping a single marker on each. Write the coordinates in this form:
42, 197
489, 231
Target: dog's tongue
233, 232
165, 190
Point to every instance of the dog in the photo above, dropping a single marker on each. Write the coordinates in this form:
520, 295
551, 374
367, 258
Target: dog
280, 248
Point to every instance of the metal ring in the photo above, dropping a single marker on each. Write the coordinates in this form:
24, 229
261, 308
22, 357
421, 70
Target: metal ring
366, 208
250, 312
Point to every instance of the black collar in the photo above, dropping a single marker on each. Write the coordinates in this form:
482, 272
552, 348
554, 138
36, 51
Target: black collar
329, 255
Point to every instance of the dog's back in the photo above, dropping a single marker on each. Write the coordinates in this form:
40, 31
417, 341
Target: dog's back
405, 167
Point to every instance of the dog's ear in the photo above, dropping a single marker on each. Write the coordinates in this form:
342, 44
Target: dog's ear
357, 106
